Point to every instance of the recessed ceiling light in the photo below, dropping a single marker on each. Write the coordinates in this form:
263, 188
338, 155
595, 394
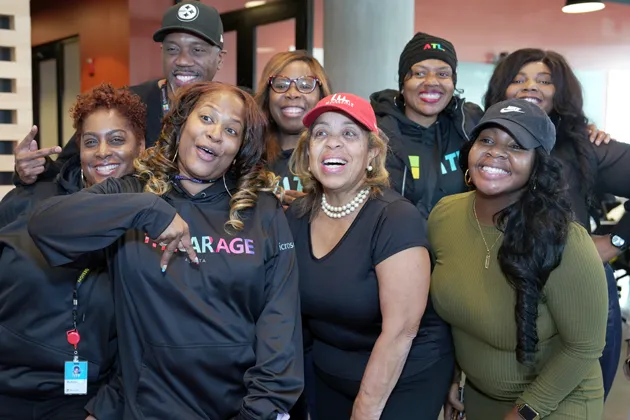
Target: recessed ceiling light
255, 3
582, 6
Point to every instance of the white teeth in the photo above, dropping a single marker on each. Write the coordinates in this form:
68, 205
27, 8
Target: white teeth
293, 110
206, 150
492, 170
106, 168
183, 78
430, 95
532, 100
334, 161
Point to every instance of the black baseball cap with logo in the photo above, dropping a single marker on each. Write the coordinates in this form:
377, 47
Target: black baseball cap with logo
195, 18
526, 122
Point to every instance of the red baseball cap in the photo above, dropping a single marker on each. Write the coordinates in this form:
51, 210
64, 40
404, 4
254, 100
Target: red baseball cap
346, 103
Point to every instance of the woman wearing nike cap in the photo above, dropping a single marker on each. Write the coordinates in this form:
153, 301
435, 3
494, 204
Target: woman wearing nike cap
364, 274
520, 283
546, 79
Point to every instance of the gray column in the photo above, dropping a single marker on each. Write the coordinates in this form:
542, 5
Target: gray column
363, 40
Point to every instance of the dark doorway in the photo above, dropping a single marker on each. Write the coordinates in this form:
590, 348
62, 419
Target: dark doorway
56, 83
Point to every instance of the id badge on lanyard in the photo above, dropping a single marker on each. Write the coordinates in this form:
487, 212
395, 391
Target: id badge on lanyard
75, 372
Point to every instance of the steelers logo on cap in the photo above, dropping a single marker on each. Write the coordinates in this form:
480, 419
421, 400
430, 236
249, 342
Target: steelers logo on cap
187, 12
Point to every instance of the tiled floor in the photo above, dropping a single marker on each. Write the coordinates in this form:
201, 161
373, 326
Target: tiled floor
618, 403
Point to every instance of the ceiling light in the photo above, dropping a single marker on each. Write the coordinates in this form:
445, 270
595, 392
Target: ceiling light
254, 3
582, 6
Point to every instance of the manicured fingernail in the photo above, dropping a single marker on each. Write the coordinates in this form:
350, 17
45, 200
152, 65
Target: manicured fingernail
196, 260
163, 268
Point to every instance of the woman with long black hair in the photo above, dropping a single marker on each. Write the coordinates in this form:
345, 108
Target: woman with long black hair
546, 79
520, 283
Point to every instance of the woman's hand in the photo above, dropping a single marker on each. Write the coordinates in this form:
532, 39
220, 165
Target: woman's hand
176, 236
29, 160
453, 404
90, 418
607, 251
597, 136
513, 415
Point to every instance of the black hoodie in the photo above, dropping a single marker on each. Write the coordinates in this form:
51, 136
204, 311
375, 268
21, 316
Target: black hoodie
280, 167
36, 308
434, 151
219, 340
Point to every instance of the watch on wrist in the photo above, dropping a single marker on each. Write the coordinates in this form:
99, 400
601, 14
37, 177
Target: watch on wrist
527, 413
617, 241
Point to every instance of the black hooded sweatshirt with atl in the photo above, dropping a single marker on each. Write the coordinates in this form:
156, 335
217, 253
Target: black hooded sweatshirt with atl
423, 163
218, 340
36, 309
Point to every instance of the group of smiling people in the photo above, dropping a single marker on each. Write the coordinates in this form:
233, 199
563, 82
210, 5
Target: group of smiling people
302, 253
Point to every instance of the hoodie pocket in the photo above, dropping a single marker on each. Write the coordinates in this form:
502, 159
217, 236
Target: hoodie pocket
33, 367
194, 381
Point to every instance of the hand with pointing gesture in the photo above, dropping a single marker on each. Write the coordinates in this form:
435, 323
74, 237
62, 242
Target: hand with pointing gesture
176, 236
29, 161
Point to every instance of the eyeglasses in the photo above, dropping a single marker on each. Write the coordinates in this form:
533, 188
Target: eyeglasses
304, 84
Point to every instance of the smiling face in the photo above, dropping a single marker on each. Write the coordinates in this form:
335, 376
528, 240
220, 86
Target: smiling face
533, 83
212, 136
287, 109
428, 90
188, 59
107, 146
498, 165
338, 152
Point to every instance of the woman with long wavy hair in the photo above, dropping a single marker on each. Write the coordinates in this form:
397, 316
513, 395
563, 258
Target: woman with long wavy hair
546, 79
204, 269
520, 283
291, 84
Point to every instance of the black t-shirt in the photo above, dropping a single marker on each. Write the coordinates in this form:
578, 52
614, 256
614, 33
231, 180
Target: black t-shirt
339, 292
280, 167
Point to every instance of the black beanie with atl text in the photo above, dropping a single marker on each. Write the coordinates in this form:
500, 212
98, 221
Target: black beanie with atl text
426, 47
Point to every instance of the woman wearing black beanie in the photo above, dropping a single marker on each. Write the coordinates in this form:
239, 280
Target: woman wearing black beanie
425, 123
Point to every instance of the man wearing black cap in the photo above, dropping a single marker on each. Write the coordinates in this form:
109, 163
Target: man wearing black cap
192, 51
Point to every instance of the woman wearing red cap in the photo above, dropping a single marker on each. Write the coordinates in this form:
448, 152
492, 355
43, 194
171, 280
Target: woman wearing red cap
364, 273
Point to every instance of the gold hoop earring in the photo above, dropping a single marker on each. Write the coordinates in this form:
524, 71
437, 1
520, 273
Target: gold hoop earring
468, 179
175, 155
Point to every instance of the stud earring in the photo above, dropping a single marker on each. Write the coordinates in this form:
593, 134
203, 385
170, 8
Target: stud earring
370, 168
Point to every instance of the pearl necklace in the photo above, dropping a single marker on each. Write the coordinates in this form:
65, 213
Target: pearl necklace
339, 212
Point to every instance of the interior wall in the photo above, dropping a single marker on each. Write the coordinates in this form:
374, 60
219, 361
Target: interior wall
103, 30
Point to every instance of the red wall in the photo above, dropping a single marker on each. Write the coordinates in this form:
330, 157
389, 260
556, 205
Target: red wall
117, 34
103, 30
598, 40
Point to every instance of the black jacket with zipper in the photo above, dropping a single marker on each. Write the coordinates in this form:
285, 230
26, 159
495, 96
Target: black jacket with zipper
218, 340
436, 148
36, 308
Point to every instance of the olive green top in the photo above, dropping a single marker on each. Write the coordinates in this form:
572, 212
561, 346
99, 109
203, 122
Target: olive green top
479, 304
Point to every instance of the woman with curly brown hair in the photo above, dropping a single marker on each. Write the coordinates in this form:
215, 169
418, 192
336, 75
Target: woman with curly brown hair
37, 311
216, 332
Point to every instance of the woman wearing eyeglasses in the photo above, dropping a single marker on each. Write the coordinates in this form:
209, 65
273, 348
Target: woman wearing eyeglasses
291, 85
